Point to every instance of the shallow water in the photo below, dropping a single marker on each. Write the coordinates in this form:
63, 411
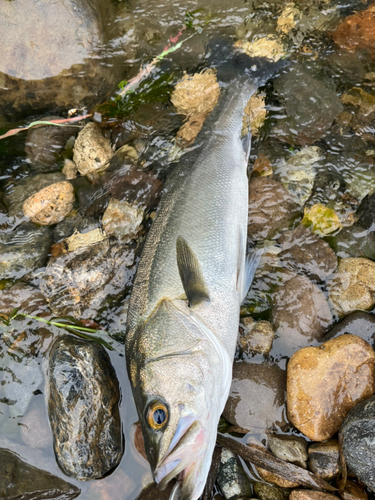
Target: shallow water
136, 32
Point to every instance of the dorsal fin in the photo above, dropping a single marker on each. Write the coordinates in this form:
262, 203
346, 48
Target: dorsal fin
191, 274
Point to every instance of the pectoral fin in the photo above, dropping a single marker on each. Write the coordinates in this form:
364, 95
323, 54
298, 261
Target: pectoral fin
247, 274
191, 274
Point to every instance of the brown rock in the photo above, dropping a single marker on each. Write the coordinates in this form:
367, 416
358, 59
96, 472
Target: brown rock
271, 208
310, 495
357, 31
26, 298
353, 491
324, 383
289, 448
324, 459
353, 286
304, 252
269, 492
257, 396
50, 205
275, 479
257, 337
69, 170
122, 220
92, 151
152, 492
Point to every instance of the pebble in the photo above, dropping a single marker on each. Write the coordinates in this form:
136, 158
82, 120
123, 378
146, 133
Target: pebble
289, 448
358, 433
353, 491
83, 408
70, 170
92, 151
310, 495
271, 208
269, 477
122, 220
50, 205
35, 429
19, 480
353, 286
305, 252
321, 220
324, 383
324, 459
266, 491
257, 396
231, 477
257, 337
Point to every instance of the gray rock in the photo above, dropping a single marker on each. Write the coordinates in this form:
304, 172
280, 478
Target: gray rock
358, 323
309, 104
257, 397
78, 283
83, 408
358, 432
257, 337
265, 491
231, 477
21, 481
324, 459
289, 448
305, 252
69, 225
271, 208
35, 429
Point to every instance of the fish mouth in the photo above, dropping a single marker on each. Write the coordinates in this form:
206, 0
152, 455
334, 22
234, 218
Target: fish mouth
185, 459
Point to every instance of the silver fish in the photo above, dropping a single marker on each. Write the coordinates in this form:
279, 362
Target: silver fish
184, 309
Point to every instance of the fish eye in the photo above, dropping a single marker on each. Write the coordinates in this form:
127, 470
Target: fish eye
157, 415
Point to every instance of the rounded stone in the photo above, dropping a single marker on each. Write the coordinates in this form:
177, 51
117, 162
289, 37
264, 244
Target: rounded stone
289, 448
50, 205
92, 151
257, 337
324, 459
310, 495
35, 429
324, 383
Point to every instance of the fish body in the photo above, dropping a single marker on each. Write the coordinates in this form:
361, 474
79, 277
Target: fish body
184, 309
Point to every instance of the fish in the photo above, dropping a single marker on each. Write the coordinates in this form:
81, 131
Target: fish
193, 275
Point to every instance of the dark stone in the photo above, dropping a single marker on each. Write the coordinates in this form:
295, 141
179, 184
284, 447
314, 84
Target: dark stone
26, 298
266, 491
152, 492
358, 432
70, 224
83, 408
21, 481
324, 459
358, 323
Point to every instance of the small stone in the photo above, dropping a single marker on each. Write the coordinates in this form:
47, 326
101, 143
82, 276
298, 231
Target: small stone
50, 205
80, 240
122, 220
83, 408
262, 166
26, 298
304, 252
353, 491
70, 169
358, 433
92, 151
358, 323
288, 18
257, 396
35, 429
269, 477
258, 336
359, 98
289, 448
353, 286
324, 383
268, 492
310, 495
255, 114
324, 459
231, 477
271, 208
19, 480
269, 47
322, 220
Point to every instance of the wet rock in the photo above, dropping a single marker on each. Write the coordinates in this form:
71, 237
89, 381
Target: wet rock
300, 314
19, 480
329, 186
269, 477
70, 170
289, 448
256, 400
324, 383
324, 459
35, 429
357, 31
92, 151
265, 491
258, 336
26, 298
310, 106
80, 240
304, 252
72, 224
353, 286
231, 477
152, 492
262, 166
359, 323
358, 433
50, 205
310, 495
83, 408
353, 491
255, 114
270, 47
271, 208
79, 283
122, 220
321, 220
44, 145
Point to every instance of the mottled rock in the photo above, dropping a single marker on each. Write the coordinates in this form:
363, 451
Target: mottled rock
26, 298
300, 314
270, 47
310, 495
271, 208
83, 408
359, 323
275, 479
256, 399
231, 477
324, 459
257, 337
50, 205
92, 151
122, 220
70, 169
353, 286
353, 491
255, 114
78, 283
324, 383
321, 220
268, 492
35, 429
289, 448
304, 252
21, 481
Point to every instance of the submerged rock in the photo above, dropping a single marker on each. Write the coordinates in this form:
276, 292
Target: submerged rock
70, 170
83, 408
35, 429
289, 448
324, 459
152, 492
324, 383
270, 47
258, 336
19, 480
122, 220
92, 151
310, 495
359, 323
231, 477
266, 491
256, 400
50, 205
254, 114
321, 220
26, 298
358, 433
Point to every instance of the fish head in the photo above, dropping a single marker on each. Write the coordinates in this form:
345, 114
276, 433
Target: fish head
177, 375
